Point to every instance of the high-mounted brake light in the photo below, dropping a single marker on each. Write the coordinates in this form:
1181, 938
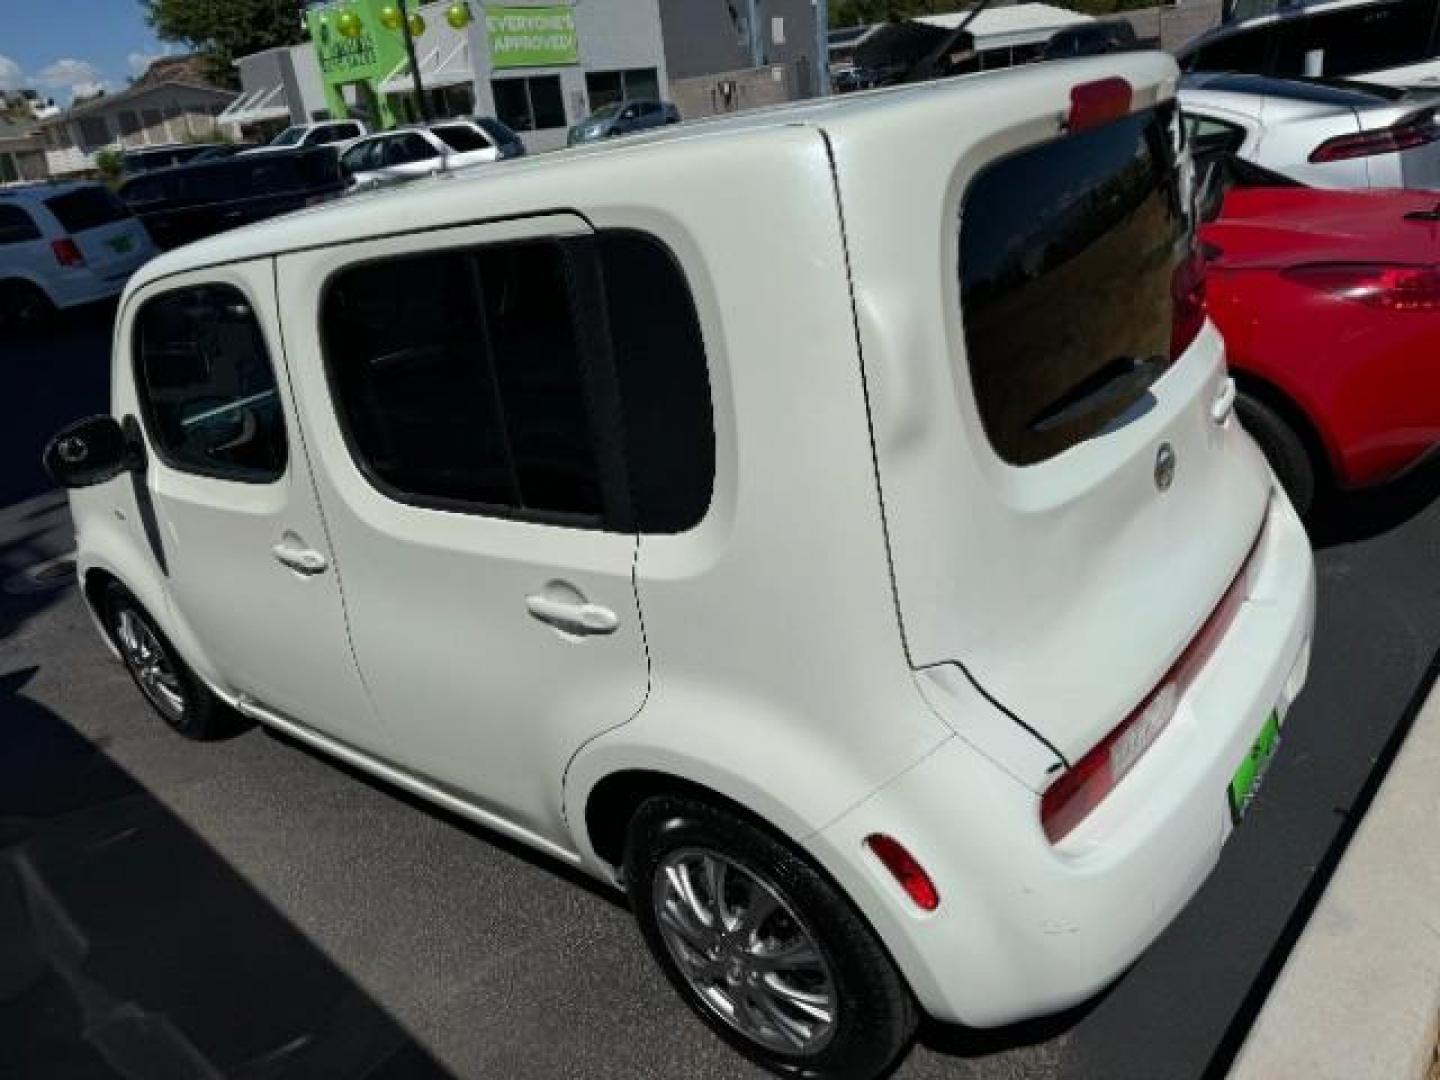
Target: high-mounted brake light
905, 869
66, 253
1077, 792
1098, 102
1416, 129
1390, 288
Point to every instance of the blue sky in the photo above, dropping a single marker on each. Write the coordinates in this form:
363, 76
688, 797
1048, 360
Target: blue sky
57, 46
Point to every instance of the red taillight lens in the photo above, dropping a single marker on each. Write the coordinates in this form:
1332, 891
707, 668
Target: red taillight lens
1098, 102
1390, 288
66, 253
905, 869
1411, 131
1078, 791
1187, 288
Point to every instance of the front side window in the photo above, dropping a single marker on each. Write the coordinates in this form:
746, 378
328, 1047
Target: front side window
1069, 253
457, 379
408, 149
206, 385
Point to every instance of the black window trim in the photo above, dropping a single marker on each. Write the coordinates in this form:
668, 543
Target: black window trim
599, 392
147, 417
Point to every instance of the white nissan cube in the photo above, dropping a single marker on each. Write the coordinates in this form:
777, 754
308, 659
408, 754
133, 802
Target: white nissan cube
829, 525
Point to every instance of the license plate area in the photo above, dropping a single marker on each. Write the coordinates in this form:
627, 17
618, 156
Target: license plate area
1251, 772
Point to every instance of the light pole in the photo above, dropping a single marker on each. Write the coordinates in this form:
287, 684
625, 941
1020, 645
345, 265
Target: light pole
420, 103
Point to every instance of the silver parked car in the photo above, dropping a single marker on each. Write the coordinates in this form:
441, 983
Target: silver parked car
623, 117
1324, 133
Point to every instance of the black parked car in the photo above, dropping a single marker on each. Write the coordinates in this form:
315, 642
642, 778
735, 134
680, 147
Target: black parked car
189, 202
1092, 39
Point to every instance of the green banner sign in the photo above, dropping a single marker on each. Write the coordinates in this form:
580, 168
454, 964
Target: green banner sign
522, 37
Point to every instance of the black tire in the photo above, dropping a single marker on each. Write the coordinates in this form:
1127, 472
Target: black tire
23, 307
171, 688
873, 1014
1284, 449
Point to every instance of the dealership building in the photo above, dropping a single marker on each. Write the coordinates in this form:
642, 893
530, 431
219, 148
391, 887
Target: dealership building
538, 67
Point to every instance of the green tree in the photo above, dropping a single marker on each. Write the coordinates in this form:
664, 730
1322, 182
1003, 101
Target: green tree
225, 29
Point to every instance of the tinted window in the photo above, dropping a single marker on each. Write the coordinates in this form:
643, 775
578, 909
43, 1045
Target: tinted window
1362, 39
664, 383
496, 130
461, 138
362, 156
1067, 254
86, 208
458, 381
408, 149
1248, 51
206, 385
1211, 139
16, 226
149, 189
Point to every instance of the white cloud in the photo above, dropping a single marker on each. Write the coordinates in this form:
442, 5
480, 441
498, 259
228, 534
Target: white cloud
11, 77
80, 77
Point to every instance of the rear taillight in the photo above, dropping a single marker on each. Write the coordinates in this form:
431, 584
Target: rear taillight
1077, 792
1417, 129
1390, 288
905, 869
1187, 289
1098, 102
66, 253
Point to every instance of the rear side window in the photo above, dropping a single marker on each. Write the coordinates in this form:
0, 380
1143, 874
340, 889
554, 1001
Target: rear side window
664, 382
1358, 40
496, 130
1211, 139
86, 208
17, 226
461, 138
1068, 251
206, 385
458, 381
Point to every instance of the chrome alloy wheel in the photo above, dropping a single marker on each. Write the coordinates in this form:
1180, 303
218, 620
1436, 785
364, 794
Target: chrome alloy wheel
150, 663
744, 952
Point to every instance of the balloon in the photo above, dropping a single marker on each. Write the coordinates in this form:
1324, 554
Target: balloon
349, 25
458, 15
417, 25
390, 17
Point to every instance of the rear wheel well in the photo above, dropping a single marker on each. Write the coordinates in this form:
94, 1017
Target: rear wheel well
614, 800
1267, 393
96, 582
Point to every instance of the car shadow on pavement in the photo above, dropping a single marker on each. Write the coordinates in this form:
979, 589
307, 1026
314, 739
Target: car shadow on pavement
955, 1040
35, 568
1359, 515
130, 948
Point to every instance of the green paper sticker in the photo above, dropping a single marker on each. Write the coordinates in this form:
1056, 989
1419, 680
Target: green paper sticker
1246, 780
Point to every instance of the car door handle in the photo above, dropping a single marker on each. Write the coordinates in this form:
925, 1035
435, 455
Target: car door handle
1224, 403
578, 617
305, 561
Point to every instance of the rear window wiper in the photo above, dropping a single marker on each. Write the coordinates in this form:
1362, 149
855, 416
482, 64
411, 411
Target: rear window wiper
1123, 379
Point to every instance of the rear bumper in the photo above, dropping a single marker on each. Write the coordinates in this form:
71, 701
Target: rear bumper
1025, 928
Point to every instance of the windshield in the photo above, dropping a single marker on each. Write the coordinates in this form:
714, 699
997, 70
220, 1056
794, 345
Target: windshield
289, 137
609, 112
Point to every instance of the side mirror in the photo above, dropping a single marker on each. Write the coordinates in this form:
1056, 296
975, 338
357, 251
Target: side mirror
94, 450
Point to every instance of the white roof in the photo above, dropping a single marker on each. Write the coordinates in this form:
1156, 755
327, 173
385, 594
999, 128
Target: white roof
1015, 24
566, 180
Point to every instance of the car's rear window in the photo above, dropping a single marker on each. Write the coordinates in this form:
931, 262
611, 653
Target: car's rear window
86, 208
1068, 250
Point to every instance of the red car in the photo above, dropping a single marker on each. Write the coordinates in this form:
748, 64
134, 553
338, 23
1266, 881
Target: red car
1329, 302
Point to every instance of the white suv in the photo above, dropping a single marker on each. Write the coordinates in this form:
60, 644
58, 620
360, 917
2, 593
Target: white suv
337, 134
62, 245
412, 152
829, 526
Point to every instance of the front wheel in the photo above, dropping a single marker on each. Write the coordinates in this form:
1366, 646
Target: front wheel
171, 688
762, 946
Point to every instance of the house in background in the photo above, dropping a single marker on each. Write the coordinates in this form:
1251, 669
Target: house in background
153, 112
22, 153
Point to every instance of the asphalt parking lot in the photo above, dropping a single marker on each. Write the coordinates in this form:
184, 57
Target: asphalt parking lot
249, 909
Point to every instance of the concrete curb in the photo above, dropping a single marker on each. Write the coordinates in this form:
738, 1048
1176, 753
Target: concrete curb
1359, 996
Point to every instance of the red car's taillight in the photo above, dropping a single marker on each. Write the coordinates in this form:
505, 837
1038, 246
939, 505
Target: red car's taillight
1390, 288
1069, 800
66, 253
1187, 288
1417, 129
